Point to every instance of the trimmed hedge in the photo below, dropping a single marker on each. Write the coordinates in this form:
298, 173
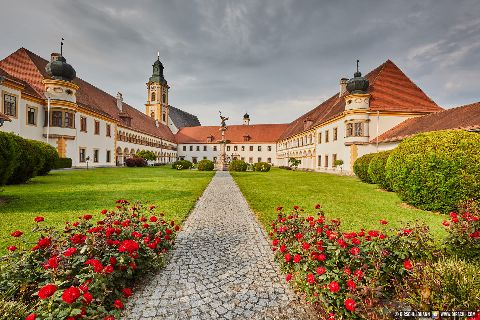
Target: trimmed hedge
376, 169
436, 170
61, 163
262, 167
360, 167
237, 165
49, 155
8, 156
28, 161
182, 164
205, 165
136, 162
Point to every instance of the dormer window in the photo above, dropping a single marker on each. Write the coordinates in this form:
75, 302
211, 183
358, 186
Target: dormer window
246, 138
210, 139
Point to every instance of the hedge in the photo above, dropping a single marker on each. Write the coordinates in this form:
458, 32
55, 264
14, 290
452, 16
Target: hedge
147, 155
360, 167
376, 169
61, 163
28, 161
262, 167
182, 164
205, 165
49, 155
8, 156
436, 170
136, 162
237, 165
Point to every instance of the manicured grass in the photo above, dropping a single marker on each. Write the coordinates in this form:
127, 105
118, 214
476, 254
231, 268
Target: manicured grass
357, 204
64, 195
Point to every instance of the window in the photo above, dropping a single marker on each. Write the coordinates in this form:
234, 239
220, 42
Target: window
97, 127
334, 158
269, 160
10, 105
214, 148
69, 120
250, 160
243, 148
184, 148
31, 116
358, 129
335, 134
259, 148
326, 161
153, 98
191, 148
269, 148
56, 118
82, 155
198, 148
164, 98
235, 148
349, 129
95, 155
242, 158
108, 156
319, 162
83, 124
194, 159
326, 136
204, 148
259, 159
319, 137
204, 158
251, 148
164, 117
108, 129
228, 148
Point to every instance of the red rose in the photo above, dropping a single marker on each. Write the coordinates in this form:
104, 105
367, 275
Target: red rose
288, 277
407, 264
358, 273
46, 291
351, 284
16, 233
31, 316
305, 246
279, 208
70, 251
283, 248
295, 207
38, 219
299, 236
383, 221
71, 295
43, 243
320, 270
310, 278
108, 269
88, 297
97, 265
153, 219
176, 228
53, 262
109, 318
11, 248
355, 251
128, 246
356, 241
118, 304
317, 206
297, 258
288, 257
321, 257
113, 261
87, 217
373, 233
350, 304
407, 231
104, 211
334, 286
127, 292
275, 242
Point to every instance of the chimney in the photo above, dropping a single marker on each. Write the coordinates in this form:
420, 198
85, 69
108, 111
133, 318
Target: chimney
307, 123
157, 124
343, 86
120, 102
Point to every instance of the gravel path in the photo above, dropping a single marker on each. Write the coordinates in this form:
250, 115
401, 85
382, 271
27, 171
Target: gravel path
222, 267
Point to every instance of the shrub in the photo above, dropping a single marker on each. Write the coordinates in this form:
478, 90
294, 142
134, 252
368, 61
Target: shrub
89, 266
237, 165
463, 238
12, 310
28, 162
262, 167
205, 165
293, 162
360, 167
147, 155
61, 163
376, 169
49, 155
436, 170
182, 165
136, 162
8, 156
337, 163
348, 274
448, 284
285, 167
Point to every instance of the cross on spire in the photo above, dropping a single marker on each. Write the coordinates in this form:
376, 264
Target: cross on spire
61, 47
158, 55
357, 64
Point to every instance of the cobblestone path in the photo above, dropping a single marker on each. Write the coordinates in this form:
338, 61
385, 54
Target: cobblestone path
222, 267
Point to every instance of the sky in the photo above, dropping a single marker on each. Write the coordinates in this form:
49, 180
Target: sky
275, 59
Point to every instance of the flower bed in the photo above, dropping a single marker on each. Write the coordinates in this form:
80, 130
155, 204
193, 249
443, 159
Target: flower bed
85, 272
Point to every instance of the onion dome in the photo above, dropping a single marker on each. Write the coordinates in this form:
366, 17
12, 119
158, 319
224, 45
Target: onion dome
59, 69
246, 116
357, 84
157, 75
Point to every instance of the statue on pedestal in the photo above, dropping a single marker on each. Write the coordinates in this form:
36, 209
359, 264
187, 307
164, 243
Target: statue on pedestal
223, 155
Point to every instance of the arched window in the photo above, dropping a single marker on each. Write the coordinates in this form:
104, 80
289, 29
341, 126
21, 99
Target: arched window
164, 97
153, 97
152, 114
164, 117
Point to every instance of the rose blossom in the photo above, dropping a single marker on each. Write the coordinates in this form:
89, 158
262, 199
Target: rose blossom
16, 233
71, 295
47, 291
334, 286
38, 219
407, 264
350, 304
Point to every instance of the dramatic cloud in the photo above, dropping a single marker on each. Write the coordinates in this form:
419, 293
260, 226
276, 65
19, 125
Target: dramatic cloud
274, 59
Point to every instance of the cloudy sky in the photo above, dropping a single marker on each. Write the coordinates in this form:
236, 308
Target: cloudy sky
273, 59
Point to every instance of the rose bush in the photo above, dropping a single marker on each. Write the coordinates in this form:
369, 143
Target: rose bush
347, 274
86, 270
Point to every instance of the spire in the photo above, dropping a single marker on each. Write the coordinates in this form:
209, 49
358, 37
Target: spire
357, 84
61, 47
157, 75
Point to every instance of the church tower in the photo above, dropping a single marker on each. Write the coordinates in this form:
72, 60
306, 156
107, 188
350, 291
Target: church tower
157, 94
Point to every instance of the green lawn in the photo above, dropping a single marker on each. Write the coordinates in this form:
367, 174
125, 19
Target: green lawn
357, 204
64, 195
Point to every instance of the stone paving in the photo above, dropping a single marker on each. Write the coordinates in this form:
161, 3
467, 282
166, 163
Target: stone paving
222, 267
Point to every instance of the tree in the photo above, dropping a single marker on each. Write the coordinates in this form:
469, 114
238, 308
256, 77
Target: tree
147, 155
294, 163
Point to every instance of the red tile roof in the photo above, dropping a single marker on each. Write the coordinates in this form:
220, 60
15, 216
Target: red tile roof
257, 133
390, 89
30, 68
465, 117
